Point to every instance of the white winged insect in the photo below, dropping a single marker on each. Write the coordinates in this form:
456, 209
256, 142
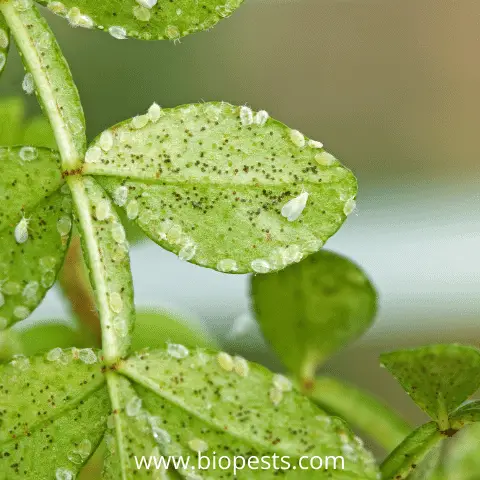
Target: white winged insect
294, 207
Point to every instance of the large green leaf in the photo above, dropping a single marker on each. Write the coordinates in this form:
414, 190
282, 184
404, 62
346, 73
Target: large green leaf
144, 19
438, 377
200, 401
53, 412
16, 130
463, 460
35, 225
107, 258
223, 187
308, 310
4, 43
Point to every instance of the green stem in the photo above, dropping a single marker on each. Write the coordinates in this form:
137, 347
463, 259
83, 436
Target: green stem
92, 249
361, 410
54, 86
405, 458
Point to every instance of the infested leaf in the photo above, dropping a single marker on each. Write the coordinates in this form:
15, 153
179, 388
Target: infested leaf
107, 258
309, 310
200, 401
438, 377
144, 19
35, 228
53, 414
4, 43
155, 328
463, 461
214, 183
49, 76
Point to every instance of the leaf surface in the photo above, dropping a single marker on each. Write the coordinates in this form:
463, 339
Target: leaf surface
145, 19
35, 228
463, 461
4, 43
438, 377
214, 183
213, 403
53, 412
309, 310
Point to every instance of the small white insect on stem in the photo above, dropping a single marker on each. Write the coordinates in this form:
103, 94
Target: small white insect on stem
294, 207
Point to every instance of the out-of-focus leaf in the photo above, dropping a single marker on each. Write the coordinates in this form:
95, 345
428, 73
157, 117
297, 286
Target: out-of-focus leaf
4, 43
107, 258
53, 414
223, 187
16, 130
463, 459
144, 19
437, 377
309, 310
155, 328
204, 402
35, 226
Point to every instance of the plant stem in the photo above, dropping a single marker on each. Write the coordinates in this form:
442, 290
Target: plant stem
55, 88
77, 289
361, 410
94, 261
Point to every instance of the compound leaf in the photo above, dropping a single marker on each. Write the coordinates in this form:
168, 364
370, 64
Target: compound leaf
231, 406
4, 43
223, 187
53, 412
309, 310
437, 377
35, 226
144, 19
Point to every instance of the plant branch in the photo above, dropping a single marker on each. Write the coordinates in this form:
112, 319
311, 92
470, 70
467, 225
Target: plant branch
77, 289
361, 410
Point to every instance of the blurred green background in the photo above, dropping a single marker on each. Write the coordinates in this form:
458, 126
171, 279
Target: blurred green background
390, 87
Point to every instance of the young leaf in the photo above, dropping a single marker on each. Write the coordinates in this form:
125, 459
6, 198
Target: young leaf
53, 414
155, 328
50, 76
361, 410
16, 130
144, 19
310, 310
214, 183
438, 377
4, 43
35, 224
231, 406
106, 254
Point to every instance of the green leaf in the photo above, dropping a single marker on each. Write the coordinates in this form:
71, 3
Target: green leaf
4, 43
210, 181
405, 458
16, 130
53, 413
144, 19
107, 258
465, 415
463, 460
230, 407
438, 377
50, 76
309, 310
155, 328
361, 410
35, 225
